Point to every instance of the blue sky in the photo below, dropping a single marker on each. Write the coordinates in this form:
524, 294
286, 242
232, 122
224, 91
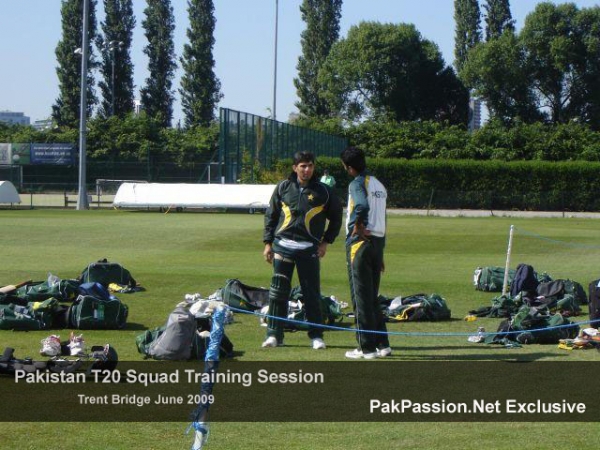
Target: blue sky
244, 48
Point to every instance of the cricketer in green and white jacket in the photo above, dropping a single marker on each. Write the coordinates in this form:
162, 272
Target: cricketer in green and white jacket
365, 242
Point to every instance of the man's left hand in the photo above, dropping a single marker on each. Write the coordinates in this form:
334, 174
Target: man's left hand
322, 249
361, 231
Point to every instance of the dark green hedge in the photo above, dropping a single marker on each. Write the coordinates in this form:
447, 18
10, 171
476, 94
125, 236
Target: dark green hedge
469, 184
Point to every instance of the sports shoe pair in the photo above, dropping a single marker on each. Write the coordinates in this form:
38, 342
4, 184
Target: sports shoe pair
271, 341
51, 345
359, 354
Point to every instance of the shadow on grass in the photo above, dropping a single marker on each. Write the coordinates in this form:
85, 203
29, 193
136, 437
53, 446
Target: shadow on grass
132, 326
452, 319
233, 357
510, 355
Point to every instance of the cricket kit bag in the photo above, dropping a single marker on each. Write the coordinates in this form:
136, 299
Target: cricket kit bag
419, 307
62, 290
525, 280
89, 312
533, 325
594, 303
502, 306
564, 296
174, 341
183, 337
105, 273
26, 318
241, 296
491, 279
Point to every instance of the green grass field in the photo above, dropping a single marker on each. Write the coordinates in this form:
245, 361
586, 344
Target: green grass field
178, 253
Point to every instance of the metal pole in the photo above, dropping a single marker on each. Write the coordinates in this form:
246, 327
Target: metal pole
507, 266
275, 64
82, 198
112, 81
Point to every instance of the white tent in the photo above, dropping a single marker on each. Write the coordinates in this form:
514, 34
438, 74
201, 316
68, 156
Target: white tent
144, 195
8, 193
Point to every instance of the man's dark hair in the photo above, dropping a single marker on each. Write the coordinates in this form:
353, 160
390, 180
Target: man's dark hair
303, 157
355, 158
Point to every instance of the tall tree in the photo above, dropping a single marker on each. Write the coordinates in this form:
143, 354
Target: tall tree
200, 87
550, 71
116, 66
563, 49
467, 33
157, 95
499, 73
322, 19
388, 71
497, 18
65, 111
588, 97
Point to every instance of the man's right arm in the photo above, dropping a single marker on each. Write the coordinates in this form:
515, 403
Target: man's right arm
272, 216
361, 209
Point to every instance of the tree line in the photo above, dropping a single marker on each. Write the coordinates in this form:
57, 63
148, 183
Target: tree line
199, 87
383, 85
545, 73
389, 90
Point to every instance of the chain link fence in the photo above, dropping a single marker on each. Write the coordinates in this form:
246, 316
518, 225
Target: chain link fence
53, 178
247, 140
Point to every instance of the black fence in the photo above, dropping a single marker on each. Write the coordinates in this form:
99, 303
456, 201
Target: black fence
566, 201
246, 140
58, 178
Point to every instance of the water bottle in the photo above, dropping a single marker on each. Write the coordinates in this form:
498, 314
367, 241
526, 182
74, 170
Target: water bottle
481, 334
479, 337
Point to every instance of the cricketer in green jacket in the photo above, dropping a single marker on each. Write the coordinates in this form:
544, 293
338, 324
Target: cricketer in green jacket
365, 241
303, 217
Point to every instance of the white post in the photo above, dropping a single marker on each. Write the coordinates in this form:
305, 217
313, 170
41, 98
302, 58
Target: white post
275, 62
112, 81
82, 198
506, 268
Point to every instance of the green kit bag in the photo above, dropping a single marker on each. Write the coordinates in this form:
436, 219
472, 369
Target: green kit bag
491, 279
240, 295
105, 273
91, 313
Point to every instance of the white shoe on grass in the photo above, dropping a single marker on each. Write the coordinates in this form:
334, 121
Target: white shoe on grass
271, 341
51, 346
318, 344
76, 344
383, 352
358, 354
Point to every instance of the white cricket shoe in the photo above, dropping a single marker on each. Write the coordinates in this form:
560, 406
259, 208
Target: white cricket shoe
271, 341
383, 352
51, 346
318, 344
358, 354
77, 344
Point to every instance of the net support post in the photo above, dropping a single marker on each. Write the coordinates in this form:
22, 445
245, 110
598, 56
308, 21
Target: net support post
507, 266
